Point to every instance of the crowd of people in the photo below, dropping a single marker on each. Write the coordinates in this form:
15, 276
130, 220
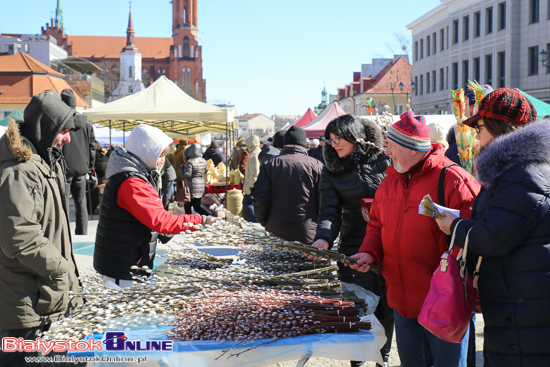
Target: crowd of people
313, 192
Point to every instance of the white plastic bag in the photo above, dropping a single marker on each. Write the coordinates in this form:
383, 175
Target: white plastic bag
371, 299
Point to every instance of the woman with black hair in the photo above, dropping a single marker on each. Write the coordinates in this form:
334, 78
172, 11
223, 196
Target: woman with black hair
355, 165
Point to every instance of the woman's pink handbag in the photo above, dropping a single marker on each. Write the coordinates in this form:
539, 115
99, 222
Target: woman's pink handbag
449, 305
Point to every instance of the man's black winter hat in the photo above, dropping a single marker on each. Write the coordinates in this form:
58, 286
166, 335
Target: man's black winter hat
279, 140
67, 96
296, 135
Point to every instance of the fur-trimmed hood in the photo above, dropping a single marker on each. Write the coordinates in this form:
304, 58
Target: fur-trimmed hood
373, 134
527, 145
13, 146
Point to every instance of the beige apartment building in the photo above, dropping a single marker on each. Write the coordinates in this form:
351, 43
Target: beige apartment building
496, 42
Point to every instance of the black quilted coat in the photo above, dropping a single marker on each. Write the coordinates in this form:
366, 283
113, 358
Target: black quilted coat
343, 184
510, 228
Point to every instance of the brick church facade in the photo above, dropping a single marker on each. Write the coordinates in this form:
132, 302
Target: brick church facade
178, 57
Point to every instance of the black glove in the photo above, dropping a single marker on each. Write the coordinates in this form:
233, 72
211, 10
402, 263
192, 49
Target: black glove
165, 238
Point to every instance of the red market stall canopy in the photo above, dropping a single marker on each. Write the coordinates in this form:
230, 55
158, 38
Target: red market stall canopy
306, 118
166, 106
316, 128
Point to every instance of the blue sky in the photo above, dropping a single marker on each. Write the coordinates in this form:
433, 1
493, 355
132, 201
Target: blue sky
270, 57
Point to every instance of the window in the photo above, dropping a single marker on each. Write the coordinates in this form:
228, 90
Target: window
422, 48
441, 79
466, 25
130, 72
27, 48
465, 67
534, 6
428, 44
489, 20
447, 78
455, 75
434, 42
455, 31
421, 86
186, 77
447, 36
416, 85
434, 84
427, 83
416, 51
442, 38
502, 16
400, 109
533, 60
489, 69
152, 72
501, 59
477, 24
185, 46
131, 90
476, 68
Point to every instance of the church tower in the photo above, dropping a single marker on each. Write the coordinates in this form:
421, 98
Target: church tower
130, 66
59, 15
185, 52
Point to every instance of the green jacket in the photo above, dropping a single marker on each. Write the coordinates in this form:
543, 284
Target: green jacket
37, 267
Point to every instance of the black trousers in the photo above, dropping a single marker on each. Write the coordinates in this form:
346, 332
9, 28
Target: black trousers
196, 204
77, 185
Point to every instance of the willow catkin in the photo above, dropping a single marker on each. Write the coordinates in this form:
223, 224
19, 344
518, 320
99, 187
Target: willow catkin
248, 315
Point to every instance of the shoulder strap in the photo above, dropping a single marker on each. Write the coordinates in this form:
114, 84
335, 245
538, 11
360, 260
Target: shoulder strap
441, 186
441, 191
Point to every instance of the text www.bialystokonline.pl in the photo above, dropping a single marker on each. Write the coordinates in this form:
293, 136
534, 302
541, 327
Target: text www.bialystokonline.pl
75, 360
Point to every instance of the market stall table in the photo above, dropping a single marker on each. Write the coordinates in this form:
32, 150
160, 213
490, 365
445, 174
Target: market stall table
220, 189
217, 192
359, 346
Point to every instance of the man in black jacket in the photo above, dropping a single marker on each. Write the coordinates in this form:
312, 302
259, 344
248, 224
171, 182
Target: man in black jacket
286, 194
274, 149
80, 157
214, 153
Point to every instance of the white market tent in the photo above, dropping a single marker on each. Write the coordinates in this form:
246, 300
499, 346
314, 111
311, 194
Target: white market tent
164, 105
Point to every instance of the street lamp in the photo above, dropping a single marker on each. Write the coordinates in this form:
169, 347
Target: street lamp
544, 58
413, 88
401, 86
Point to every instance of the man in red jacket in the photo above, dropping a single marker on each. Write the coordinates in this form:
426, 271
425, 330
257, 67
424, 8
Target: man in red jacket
407, 244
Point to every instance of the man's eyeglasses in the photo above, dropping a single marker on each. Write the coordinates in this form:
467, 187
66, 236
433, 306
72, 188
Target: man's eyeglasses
334, 141
478, 128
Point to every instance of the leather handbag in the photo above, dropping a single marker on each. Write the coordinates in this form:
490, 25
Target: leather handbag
184, 195
449, 305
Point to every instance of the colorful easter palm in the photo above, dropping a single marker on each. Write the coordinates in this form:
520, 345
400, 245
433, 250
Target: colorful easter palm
467, 144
